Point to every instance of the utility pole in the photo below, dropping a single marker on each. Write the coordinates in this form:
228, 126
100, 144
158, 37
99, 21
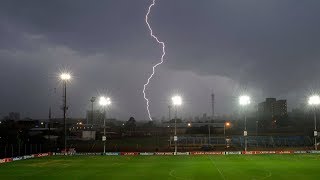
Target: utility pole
171, 130
212, 104
49, 137
209, 141
169, 107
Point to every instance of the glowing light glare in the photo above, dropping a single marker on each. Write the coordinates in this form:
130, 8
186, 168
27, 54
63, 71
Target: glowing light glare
228, 124
161, 60
65, 76
244, 100
104, 101
189, 124
176, 100
314, 100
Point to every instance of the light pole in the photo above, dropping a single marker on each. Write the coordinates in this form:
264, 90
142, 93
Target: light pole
227, 124
314, 101
104, 102
245, 101
209, 133
65, 77
93, 99
176, 101
257, 128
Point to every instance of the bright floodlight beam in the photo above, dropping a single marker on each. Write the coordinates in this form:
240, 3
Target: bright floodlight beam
314, 101
176, 101
244, 101
65, 77
104, 102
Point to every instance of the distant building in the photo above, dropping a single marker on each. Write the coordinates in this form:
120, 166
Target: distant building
272, 112
267, 106
273, 107
280, 108
59, 122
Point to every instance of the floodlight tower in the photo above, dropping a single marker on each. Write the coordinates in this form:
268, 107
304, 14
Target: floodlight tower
226, 125
65, 77
314, 101
93, 99
244, 101
176, 101
104, 102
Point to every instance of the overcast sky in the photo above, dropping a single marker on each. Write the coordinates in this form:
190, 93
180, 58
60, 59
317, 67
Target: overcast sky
269, 48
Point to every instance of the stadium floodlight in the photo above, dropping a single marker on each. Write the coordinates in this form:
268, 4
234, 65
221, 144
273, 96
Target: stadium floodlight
104, 102
227, 124
176, 101
244, 101
65, 77
314, 101
92, 100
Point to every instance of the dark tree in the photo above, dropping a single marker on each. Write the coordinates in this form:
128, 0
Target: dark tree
130, 124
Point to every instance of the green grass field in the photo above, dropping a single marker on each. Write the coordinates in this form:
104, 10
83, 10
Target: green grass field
305, 166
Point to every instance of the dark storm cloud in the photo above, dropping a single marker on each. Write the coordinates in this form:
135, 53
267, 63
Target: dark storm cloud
270, 46
99, 26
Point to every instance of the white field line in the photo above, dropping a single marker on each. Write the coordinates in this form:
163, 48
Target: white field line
215, 165
268, 175
174, 176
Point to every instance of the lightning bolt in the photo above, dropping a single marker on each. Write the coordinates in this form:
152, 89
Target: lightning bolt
154, 67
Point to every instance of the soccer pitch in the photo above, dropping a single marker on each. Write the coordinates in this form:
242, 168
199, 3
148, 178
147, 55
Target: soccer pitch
301, 166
